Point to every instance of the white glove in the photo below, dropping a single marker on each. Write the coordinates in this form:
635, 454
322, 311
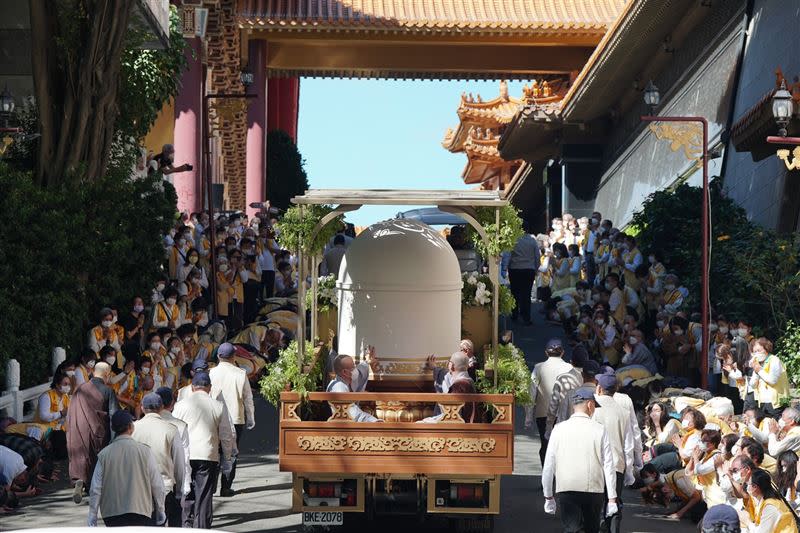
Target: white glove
161, 519
92, 521
550, 506
611, 509
251, 424
227, 466
629, 478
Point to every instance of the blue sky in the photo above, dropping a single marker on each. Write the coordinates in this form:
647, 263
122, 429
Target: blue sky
367, 134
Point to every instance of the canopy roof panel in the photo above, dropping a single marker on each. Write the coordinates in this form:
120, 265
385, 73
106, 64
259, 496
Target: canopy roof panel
359, 197
530, 17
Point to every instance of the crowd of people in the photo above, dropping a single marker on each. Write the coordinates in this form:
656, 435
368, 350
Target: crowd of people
159, 372
683, 448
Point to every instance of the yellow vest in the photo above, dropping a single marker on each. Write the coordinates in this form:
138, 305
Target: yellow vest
672, 481
58, 402
774, 394
786, 522
712, 493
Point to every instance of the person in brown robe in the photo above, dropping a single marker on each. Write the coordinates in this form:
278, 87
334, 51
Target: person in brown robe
88, 427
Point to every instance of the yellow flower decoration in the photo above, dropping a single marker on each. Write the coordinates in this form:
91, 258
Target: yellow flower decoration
724, 238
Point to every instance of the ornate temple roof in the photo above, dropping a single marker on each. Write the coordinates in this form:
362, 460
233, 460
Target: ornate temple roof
567, 17
482, 124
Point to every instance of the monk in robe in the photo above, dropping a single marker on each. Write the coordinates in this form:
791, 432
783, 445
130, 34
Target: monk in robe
89, 426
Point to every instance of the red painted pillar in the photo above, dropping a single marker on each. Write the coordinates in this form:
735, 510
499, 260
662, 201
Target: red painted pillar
256, 169
289, 106
282, 103
188, 130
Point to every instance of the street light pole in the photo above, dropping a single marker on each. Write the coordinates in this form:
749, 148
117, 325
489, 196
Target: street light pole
704, 259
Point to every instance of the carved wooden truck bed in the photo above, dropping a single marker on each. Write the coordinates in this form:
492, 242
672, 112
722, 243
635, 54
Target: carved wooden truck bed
450, 446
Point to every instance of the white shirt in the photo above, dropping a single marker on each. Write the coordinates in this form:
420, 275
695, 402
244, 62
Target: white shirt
771, 377
230, 384
44, 409
550, 467
789, 442
11, 464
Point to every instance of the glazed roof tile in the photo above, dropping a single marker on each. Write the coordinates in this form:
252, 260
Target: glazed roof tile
446, 16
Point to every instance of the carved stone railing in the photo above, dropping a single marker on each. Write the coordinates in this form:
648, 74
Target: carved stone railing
13, 400
318, 435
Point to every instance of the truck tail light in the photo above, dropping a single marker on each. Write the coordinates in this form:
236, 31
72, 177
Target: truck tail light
466, 492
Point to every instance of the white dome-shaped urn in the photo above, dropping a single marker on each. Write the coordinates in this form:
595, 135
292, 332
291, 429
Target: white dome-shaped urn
400, 290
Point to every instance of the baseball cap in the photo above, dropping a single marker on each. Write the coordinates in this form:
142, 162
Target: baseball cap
721, 515
606, 381
152, 401
199, 364
166, 395
201, 379
583, 395
226, 350
120, 421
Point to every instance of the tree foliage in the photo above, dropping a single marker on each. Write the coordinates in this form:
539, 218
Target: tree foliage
97, 92
67, 251
286, 177
754, 271
502, 238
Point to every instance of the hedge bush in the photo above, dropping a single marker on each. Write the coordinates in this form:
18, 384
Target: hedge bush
67, 252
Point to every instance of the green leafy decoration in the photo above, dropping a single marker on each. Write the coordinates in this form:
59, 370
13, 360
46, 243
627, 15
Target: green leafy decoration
326, 294
295, 229
502, 240
788, 351
286, 373
513, 375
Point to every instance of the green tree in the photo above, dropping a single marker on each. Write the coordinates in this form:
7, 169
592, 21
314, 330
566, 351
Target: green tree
286, 177
754, 272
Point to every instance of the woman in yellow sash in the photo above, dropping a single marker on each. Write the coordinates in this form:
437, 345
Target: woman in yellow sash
766, 509
574, 261
659, 427
769, 381
51, 409
703, 464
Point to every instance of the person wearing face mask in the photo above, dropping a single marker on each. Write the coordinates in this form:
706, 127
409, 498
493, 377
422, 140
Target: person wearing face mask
637, 353
173, 361
191, 262
692, 423
787, 478
677, 484
88, 429
606, 338
755, 452
602, 258
755, 424
167, 314
155, 349
104, 334
632, 259
544, 279
225, 290
51, 408
285, 284
702, 467
581, 459
676, 348
766, 508
784, 435
559, 268
84, 371
133, 324
769, 381
616, 299
177, 255
157, 294
251, 287
117, 377
200, 313
672, 298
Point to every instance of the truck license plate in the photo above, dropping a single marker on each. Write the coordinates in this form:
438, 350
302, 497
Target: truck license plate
323, 518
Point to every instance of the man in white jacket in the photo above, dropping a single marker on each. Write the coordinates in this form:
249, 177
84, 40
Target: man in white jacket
581, 459
211, 444
543, 379
229, 383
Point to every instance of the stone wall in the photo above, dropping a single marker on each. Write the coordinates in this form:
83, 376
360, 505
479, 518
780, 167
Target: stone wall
762, 187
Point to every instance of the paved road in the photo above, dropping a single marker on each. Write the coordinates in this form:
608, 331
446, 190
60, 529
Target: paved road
263, 498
